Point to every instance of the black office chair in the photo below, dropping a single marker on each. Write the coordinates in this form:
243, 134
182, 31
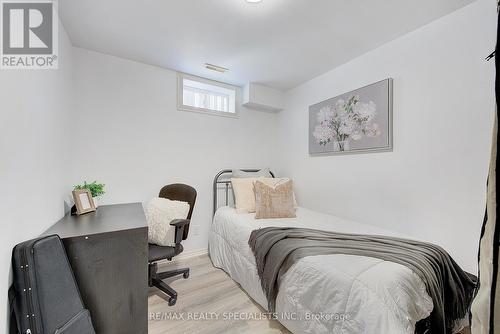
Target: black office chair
174, 192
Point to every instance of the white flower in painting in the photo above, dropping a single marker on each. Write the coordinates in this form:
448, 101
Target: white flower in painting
365, 111
323, 134
356, 136
372, 130
339, 105
347, 127
344, 120
325, 115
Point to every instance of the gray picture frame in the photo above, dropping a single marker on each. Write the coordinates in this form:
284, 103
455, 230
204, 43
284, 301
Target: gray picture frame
379, 95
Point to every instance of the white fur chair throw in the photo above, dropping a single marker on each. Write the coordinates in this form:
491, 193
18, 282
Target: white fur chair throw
160, 213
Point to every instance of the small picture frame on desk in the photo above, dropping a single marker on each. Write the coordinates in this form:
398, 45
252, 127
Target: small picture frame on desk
83, 201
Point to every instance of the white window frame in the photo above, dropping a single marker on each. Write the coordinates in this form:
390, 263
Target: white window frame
180, 95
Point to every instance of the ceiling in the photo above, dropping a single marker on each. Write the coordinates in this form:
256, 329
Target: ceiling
277, 43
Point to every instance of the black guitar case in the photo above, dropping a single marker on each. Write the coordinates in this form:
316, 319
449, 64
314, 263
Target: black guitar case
44, 297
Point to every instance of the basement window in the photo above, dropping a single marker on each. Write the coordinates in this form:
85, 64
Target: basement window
206, 96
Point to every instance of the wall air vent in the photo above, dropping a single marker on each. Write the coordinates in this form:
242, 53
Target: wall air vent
216, 68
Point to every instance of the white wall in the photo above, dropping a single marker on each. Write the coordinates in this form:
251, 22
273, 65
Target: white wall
35, 154
132, 137
122, 128
433, 185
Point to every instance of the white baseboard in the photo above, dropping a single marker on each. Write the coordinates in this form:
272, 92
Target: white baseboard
194, 253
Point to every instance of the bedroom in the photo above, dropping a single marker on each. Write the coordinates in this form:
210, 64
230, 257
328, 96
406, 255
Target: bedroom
111, 111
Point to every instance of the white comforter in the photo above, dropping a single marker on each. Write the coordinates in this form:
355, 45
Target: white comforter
327, 293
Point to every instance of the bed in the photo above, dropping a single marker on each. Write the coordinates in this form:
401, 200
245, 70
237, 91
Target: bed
324, 293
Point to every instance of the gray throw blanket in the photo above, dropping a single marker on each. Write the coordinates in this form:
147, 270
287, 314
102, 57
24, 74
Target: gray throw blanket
276, 249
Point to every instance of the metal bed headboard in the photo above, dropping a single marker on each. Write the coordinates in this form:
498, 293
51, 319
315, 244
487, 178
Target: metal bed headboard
226, 183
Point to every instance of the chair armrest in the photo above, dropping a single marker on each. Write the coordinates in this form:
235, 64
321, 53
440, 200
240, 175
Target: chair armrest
179, 228
179, 222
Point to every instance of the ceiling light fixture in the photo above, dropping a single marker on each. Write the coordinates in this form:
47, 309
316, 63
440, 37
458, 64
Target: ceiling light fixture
216, 68
253, 1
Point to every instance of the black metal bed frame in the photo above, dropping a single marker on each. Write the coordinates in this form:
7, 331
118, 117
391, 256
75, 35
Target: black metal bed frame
226, 183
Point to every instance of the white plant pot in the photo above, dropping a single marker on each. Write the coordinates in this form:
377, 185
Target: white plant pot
96, 201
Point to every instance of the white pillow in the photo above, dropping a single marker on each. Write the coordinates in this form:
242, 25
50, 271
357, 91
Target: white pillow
264, 172
160, 213
244, 194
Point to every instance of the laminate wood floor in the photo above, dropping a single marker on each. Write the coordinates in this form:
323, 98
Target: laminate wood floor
208, 290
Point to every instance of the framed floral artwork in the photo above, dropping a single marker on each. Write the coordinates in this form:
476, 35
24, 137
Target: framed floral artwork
359, 121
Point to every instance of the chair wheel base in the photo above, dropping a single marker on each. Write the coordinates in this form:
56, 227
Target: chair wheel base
156, 280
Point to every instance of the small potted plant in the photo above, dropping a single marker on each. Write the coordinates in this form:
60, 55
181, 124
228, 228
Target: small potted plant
96, 189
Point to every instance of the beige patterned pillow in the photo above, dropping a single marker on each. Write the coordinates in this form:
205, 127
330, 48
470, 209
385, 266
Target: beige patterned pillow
274, 202
274, 181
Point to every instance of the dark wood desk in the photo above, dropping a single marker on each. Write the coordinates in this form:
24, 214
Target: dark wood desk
108, 251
